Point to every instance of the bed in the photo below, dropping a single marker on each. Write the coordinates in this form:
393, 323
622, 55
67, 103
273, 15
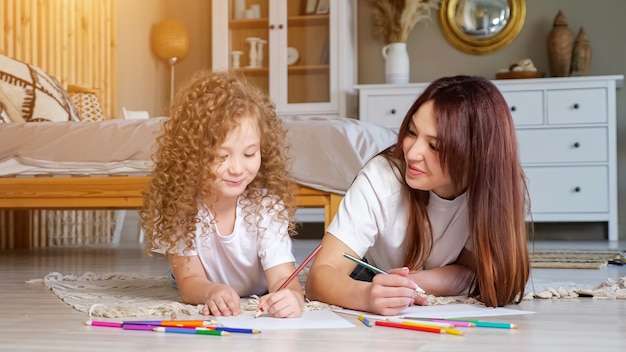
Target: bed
106, 164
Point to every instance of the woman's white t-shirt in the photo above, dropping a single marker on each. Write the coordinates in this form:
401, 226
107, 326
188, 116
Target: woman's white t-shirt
372, 219
240, 259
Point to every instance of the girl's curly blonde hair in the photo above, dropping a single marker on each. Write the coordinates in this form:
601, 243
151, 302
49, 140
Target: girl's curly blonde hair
210, 106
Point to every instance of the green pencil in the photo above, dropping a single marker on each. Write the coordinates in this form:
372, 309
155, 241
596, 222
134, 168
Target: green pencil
375, 269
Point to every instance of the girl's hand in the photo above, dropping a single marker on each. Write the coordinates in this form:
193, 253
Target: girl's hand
221, 300
393, 293
282, 304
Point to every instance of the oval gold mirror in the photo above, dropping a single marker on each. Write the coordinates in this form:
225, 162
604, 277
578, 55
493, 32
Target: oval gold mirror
481, 26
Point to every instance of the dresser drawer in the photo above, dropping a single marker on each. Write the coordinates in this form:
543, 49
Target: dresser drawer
388, 110
568, 189
566, 106
526, 107
563, 145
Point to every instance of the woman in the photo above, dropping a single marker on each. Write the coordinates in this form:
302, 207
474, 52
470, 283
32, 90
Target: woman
443, 209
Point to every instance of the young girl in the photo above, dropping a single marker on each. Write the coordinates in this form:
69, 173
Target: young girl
443, 209
220, 201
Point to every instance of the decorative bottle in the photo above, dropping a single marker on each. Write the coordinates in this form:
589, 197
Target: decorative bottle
581, 58
560, 46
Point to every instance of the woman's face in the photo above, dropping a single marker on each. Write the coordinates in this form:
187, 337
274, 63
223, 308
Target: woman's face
423, 169
238, 160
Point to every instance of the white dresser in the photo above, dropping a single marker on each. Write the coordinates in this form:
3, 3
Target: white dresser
566, 129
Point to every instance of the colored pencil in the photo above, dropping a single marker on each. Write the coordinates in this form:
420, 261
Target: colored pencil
374, 269
488, 324
137, 327
235, 330
109, 324
410, 327
198, 331
294, 274
434, 324
172, 323
466, 324
449, 328
365, 321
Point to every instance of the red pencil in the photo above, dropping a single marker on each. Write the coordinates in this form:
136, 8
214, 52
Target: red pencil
410, 327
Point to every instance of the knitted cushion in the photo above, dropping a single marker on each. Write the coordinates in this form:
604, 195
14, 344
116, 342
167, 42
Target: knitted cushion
86, 102
30, 94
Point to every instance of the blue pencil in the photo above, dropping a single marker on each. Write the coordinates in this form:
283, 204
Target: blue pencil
374, 269
236, 330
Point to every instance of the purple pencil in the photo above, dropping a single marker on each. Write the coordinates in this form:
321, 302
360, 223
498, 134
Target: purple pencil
138, 327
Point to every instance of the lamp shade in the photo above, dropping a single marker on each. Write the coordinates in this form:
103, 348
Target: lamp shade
170, 39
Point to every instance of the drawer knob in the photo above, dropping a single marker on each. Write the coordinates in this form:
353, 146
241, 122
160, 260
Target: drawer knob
576, 106
577, 189
576, 144
513, 108
393, 111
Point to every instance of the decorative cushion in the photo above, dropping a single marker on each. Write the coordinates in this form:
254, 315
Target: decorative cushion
86, 102
30, 94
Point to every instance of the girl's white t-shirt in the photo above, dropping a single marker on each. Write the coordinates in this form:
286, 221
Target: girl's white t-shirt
372, 219
239, 259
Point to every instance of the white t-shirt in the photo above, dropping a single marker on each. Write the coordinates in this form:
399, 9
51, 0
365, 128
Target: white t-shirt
240, 259
372, 219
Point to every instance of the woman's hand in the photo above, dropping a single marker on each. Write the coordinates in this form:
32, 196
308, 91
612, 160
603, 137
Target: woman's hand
393, 293
282, 304
221, 300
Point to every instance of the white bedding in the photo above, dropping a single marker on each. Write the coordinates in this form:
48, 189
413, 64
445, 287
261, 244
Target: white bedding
326, 152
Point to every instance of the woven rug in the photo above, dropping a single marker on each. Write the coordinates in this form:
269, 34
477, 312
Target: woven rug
572, 259
119, 295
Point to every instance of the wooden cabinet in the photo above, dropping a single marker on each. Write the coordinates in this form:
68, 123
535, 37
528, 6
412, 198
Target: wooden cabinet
566, 130
302, 57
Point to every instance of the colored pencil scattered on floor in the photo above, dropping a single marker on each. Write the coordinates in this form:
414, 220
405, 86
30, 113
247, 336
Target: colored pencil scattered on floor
449, 328
173, 323
365, 321
235, 330
487, 324
108, 324
190, 325
197, 331
465, 324
410, 327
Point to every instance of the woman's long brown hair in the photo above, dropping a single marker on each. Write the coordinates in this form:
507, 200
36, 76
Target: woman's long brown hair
478, 147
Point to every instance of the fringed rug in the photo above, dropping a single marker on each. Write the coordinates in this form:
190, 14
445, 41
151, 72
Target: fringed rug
118, 295
573, 259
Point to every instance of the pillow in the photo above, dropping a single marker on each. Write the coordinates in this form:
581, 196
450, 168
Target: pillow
86, 102
30, 94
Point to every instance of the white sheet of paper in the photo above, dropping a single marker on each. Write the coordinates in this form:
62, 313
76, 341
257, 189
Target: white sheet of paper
321, 319
444, 311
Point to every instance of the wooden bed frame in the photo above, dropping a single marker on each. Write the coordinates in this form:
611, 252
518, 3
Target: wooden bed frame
109, 192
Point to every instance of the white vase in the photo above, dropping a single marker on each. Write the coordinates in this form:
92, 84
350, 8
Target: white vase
396, 63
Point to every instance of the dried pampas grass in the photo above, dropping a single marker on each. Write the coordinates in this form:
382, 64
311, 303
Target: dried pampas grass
394, 19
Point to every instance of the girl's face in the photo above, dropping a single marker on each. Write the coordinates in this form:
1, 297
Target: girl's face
238, 159
423, 169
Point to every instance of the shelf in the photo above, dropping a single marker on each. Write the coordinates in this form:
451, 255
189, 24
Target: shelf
252, 70
307, 68
307, 20
249, 23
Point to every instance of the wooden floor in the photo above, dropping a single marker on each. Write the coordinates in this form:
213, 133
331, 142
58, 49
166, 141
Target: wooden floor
33, 319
